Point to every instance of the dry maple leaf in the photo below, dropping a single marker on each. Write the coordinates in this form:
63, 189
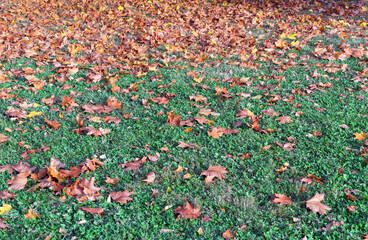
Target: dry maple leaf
3, 138
315, 204
284, 119
188, 212
198, 98
244, 113
94, 211
187, 145
150, 178
19, 181
227, 234
15, 114
215, 171
281, 199
216, 132
30, 214
201, 120
121, 197
271, 112
68, 102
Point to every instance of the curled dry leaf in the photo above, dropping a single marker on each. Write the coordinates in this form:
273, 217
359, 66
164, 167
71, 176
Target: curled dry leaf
281, 199
188, 212
112, 180
315, 205
94, 211
150, 178
52, 124
121, 197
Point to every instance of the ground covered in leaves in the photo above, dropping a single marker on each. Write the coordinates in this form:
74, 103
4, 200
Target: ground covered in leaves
183, 119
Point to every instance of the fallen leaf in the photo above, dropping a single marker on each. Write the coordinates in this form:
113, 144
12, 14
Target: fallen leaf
121, 197
30, 214
93, 211
215, 171
284, 119
315, 204
150, 178
3, 138
188, 211
111, 180
227, 234
360, 136
281, 199
19, 181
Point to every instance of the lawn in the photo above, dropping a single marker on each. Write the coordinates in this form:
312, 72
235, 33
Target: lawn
183, 119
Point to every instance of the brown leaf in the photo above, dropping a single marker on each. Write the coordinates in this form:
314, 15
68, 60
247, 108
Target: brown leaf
281, 199
18, 182
315, 204
187, 145
3, 138
352, 208
332, 224
173, 120
6, 195
215, 171
265, 148
94, 211
112, 180
52, 124
121, 197
227, 234
216, 132
150, 178
284, 119
188, 211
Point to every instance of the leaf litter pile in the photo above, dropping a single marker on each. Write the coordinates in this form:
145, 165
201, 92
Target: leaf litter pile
189, 119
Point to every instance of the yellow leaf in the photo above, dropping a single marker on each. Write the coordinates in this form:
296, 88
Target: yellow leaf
61, 115
363, 24
187, 176
293, 36
34, 114
121, 8
295, 43
36, 105
364, 9
199, 79
7, 207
